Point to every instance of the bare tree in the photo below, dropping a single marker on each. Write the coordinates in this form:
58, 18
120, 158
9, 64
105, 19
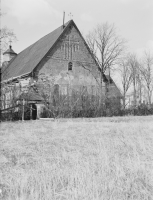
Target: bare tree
126, 78
146, 69
134, 68
6, 35
44, 86
106, 46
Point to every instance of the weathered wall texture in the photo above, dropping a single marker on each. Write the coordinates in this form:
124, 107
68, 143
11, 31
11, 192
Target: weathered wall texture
70, 48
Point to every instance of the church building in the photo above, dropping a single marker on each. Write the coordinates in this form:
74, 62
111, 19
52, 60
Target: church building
58, 70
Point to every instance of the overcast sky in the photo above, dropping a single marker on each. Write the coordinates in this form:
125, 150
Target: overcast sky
32, 19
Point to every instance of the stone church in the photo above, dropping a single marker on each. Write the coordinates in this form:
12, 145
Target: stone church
61, 61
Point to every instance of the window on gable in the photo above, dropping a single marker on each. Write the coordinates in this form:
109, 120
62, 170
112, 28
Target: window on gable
69, 66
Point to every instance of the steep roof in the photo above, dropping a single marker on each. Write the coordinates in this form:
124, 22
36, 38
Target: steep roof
28, 59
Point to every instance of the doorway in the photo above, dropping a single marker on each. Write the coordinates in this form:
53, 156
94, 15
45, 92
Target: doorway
34, 111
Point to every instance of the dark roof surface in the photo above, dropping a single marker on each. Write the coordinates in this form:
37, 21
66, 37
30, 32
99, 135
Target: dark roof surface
29, 58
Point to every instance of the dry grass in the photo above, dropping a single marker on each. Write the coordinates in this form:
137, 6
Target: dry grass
88, 159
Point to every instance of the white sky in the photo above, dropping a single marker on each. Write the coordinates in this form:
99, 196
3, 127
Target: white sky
32, 19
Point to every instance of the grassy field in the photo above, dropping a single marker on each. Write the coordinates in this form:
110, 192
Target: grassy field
77, 159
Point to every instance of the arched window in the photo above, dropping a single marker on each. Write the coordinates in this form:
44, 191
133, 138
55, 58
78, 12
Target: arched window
69, 66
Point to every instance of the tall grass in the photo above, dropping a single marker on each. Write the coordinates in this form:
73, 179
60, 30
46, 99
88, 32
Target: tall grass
77, 159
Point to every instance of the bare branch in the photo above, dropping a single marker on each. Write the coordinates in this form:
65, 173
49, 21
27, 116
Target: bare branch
126, 77
87, 68
146, 69
6, 35
106, 46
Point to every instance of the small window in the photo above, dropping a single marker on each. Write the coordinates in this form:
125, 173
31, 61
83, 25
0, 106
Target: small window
69, 66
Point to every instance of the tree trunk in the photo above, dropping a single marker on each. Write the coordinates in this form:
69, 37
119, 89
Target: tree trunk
140, 94
134, 95
101, 96
124, 101
149, 98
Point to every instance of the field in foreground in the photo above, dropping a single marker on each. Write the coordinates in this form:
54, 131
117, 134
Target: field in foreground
81, 159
